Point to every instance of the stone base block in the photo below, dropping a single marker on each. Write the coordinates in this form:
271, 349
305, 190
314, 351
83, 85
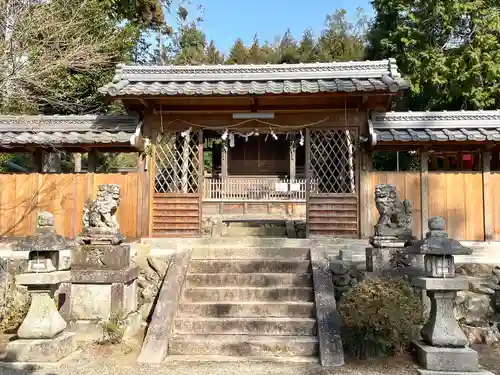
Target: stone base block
102, 301
96, 257
429, 372
446, 359
49, 350
378, 259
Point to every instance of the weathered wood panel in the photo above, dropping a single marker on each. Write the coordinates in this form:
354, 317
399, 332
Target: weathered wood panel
176, 215
458, 198
408, 187
333, 215
493, 208
64, 195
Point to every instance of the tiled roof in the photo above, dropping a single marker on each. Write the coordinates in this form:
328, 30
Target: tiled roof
69, 130
479, 126
256, 79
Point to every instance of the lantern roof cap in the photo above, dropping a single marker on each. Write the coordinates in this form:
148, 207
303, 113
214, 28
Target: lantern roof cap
436, 241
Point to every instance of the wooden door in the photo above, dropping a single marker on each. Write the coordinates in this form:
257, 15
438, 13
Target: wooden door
177, 184
332, 190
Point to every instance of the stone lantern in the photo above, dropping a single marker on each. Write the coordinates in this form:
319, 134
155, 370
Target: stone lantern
443, 348
42, 336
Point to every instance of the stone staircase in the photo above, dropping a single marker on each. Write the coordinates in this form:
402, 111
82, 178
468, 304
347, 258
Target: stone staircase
247, 303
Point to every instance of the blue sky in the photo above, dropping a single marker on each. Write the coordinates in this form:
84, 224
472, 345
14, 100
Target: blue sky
226, 20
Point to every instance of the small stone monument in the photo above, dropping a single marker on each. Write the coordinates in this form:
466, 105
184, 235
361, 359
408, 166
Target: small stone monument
104, 281
42, 336
443, 348
393, 230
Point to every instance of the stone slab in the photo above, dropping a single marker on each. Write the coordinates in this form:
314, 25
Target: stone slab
42, 278
331, 350
96, 257
446, 359
51, 350
156, 341
378, 259
431, 283
430, 372
104, 276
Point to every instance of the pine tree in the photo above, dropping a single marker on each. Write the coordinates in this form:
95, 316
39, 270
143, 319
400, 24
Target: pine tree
307, 50
447, 49
213, 56
238, 53
288, 52
254, 54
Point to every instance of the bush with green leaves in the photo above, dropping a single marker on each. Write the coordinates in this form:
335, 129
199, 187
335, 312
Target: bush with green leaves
380, 317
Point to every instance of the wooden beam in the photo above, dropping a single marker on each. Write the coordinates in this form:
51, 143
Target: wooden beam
366, 194
424, 189
488, 209
38, 159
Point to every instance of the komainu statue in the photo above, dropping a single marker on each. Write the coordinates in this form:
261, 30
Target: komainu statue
100, 224
395, 215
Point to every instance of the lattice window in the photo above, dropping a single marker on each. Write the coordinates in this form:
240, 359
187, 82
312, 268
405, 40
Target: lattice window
333, 160
177, 161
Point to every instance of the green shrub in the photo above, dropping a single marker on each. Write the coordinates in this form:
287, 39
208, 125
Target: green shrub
113, 330
380, 317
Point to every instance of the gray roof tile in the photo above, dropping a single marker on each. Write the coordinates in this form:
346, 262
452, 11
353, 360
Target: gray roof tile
256, 79
67, 130
478, 126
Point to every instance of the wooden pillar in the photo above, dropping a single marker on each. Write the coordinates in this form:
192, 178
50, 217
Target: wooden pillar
77, 159
424, 189
308, 176
293, 157
487, 201
92, 161
223, 161
38, 159
366, 200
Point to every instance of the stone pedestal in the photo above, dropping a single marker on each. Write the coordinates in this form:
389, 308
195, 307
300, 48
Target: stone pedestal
41, 336
104, 287
378, 259
443, 348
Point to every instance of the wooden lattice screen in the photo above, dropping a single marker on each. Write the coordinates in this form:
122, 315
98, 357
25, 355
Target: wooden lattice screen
333, 203
176, 204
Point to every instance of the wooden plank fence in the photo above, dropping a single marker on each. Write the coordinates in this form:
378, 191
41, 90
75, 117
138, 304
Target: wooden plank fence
22, 196
456, 196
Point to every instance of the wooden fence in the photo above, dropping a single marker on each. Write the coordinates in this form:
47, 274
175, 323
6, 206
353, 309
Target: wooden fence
22, 196
457, 197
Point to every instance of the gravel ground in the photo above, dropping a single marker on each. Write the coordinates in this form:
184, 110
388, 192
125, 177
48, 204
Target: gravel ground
120, 360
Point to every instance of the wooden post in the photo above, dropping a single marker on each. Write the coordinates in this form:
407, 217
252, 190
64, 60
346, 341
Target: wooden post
424, 188
366, 194
487, 209
307, 172
92, 161
293, 158
38, 159
77, 158
186, 154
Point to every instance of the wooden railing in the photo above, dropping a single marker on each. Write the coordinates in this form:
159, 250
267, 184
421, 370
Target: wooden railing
254, 189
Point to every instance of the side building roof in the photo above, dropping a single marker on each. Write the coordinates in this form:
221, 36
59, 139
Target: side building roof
73, 132
417, 127
203, 80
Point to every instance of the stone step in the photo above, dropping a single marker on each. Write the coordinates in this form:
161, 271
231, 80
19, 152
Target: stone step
246, 326
249, 266
255, 231
244, 345
248, 279
219, 294
225, 360
248, 309
250, 253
